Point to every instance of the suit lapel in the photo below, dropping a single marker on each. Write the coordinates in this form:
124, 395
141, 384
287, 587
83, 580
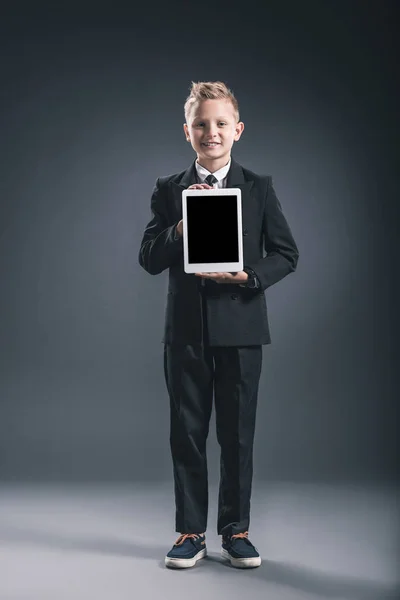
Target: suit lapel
235, 179
189, 177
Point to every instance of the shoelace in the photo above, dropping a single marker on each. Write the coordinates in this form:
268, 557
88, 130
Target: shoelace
184, 537
240, 535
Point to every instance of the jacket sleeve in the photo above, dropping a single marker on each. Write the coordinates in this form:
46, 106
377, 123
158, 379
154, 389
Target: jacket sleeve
281, 251
160, 247
256, 280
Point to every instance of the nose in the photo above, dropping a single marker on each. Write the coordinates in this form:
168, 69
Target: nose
212, 131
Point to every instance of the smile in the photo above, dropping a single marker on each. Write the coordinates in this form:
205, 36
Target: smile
210, 144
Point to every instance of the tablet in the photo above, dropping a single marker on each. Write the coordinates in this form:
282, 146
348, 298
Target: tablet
212, 230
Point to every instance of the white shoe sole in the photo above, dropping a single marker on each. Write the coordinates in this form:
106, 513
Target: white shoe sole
241, 563
184, 563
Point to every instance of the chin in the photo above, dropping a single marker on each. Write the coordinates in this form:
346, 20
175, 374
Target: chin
210, 155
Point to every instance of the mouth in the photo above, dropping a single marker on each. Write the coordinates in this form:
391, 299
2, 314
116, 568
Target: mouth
210, 144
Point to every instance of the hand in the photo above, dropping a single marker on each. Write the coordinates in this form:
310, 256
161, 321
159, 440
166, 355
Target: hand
200, 186
239, 277
195, 186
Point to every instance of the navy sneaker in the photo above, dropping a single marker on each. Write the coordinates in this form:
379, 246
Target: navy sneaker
240, 551
187, 550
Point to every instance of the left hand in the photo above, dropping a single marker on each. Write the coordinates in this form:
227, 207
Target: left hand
239, 277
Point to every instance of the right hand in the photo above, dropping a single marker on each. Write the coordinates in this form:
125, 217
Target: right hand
195, 186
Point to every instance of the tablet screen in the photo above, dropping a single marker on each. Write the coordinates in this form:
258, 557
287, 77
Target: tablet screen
212, 223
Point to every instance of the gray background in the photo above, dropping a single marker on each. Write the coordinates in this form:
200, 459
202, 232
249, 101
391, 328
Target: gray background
92, 113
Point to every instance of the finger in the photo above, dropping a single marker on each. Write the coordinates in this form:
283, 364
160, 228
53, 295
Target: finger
200, 186
226, 277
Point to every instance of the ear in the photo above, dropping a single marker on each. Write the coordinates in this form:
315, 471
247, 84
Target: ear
238, 130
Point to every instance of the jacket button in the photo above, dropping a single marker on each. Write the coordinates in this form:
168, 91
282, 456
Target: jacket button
234, 296
245, 232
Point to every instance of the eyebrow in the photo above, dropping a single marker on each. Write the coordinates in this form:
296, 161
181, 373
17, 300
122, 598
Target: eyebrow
203, 119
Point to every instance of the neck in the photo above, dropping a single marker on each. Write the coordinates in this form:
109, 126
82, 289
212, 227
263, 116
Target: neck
213, 165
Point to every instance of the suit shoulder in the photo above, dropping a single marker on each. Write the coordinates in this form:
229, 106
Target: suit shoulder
165, 179
257, 177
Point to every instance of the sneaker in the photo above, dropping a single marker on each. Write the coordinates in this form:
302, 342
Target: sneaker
187, 550
240, 551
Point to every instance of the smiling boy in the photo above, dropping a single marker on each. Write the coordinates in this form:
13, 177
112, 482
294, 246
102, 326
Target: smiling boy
214, 333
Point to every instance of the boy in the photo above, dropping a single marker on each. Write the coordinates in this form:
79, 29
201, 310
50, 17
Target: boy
215, 326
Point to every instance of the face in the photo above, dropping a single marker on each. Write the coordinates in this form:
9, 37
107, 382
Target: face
212, 129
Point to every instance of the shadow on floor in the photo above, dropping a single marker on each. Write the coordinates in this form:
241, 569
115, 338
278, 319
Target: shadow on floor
296, 577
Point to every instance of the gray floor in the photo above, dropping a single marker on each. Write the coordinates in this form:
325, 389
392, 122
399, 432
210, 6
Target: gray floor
109, 541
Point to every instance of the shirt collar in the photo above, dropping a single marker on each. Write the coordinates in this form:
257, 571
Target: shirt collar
220, 174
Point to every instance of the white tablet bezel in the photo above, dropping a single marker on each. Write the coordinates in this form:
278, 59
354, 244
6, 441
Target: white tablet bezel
213, 267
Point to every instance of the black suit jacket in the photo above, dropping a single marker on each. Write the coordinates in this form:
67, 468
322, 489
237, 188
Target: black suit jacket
236, 316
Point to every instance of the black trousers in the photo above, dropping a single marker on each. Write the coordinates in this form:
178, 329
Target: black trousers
193, 375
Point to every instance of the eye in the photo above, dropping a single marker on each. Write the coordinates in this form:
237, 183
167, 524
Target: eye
222, 123
199, 124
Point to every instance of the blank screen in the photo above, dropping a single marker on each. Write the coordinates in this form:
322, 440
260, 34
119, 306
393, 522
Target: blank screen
212, 227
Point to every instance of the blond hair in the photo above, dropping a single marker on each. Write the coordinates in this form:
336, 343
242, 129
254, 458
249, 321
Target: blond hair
210, 90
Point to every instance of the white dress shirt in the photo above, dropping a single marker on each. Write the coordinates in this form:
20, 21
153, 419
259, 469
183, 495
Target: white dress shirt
221, 174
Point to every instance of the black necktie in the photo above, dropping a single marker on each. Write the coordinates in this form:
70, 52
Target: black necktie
210, 179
